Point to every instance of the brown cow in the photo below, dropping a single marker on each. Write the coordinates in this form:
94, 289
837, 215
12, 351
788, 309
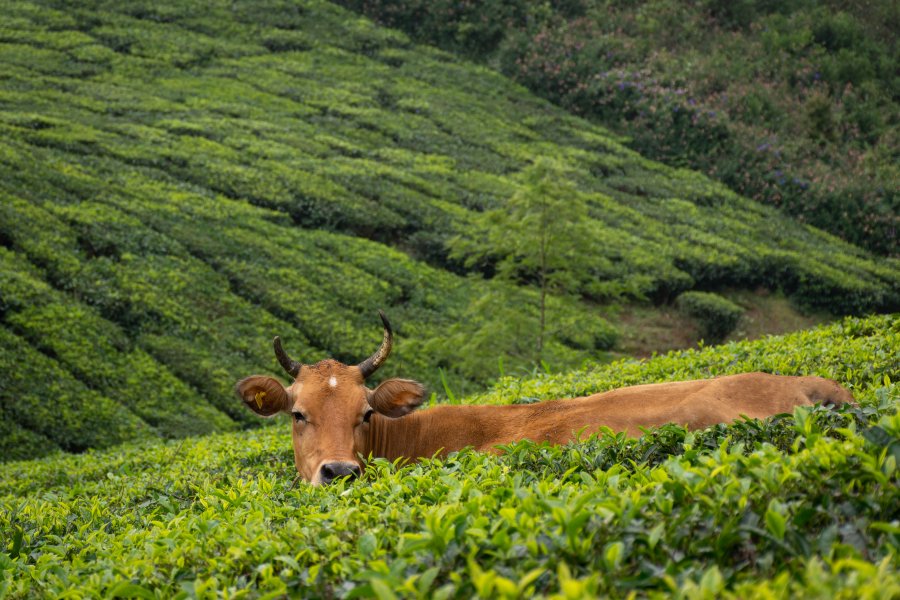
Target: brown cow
337, 418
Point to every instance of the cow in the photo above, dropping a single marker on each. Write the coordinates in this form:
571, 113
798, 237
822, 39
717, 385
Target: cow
337, 420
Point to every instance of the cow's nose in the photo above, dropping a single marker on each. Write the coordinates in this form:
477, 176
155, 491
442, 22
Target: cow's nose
333, 470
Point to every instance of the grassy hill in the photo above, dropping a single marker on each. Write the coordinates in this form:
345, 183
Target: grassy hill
802, 506
181, 181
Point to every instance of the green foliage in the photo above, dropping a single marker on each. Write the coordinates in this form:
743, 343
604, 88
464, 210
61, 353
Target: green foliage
712, 85
98, 353
717, 316
182, 181
541, 235
502, 323
795, 506
47, 403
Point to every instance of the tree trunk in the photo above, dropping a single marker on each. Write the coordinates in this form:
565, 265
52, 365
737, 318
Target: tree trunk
543, 276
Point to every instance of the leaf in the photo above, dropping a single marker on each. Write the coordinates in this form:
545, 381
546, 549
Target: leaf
654, 535
445, 384
290, 561
893, 528
126, 589
17, 542
382, 590
775, 523
878, 436
712, 582
528, 579
426, 580
367, 544
612, 557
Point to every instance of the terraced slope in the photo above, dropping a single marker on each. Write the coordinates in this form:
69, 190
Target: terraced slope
791, 507
180, 181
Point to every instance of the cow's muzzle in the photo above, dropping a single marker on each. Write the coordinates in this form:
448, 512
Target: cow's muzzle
335, 470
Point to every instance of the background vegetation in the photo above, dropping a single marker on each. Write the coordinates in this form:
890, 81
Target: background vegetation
180, 182
796, 506
794, 103
716, 316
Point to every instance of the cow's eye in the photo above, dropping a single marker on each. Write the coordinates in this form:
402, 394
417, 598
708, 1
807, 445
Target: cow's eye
299, 418
368, 415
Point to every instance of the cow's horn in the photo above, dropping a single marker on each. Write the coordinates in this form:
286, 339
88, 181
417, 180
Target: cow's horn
371, 364
290, 365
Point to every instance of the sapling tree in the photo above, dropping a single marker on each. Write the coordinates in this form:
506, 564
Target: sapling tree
540, 236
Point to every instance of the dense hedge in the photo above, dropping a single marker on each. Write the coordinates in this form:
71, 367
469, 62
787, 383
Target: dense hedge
100, 354
716, 316
794, 506
180, 182
50, 405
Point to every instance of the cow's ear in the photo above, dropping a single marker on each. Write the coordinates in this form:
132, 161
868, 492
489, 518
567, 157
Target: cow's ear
263, 395
397, 397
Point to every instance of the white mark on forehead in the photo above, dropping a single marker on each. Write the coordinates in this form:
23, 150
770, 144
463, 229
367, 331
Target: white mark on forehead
332, 381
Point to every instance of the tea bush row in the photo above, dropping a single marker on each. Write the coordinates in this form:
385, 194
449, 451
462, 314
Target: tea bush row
44, 408
100, 354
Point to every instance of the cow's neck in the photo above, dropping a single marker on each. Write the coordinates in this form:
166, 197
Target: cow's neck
441, 429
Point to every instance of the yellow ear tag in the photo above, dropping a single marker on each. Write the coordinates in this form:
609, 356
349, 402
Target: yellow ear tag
259, 398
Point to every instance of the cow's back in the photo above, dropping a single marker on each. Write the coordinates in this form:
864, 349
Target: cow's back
695, 404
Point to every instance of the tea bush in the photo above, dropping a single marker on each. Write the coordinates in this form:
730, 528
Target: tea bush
796, 505
717, 316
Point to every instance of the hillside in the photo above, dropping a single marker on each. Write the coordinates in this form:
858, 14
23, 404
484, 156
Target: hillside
181, 181
807, 506
795, 104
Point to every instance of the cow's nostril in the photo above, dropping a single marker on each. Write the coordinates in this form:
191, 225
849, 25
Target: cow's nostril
331, 471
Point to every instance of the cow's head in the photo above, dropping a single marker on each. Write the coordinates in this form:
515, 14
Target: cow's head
331, 408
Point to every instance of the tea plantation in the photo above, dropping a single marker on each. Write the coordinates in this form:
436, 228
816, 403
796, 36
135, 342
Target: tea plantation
181, 181
802, 505
791, 103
